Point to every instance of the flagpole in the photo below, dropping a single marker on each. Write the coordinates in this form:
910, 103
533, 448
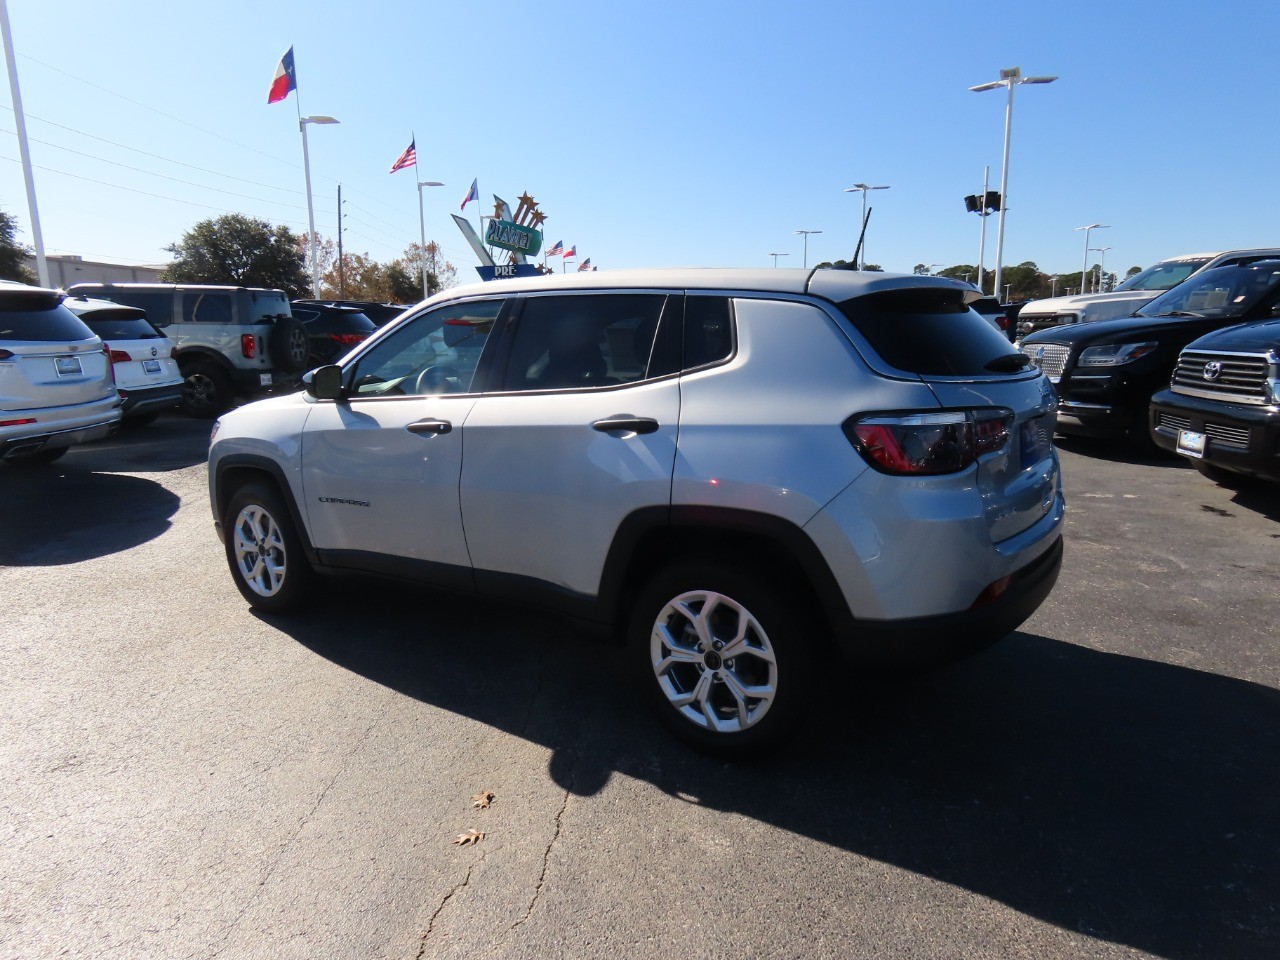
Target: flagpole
311, 216
20, 120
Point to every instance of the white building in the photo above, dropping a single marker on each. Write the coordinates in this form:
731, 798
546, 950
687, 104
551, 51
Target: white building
66, 269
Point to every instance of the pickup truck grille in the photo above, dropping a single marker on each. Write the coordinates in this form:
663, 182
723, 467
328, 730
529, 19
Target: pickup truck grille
1051, 358
1235, 377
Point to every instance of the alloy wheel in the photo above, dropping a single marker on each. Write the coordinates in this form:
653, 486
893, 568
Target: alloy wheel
259, 551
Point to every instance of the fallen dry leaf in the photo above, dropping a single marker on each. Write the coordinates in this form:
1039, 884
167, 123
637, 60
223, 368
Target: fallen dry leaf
471, 836
483, 799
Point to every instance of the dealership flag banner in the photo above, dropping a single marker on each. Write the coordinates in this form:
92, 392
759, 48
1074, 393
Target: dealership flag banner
407, 159
285, 80
472, 194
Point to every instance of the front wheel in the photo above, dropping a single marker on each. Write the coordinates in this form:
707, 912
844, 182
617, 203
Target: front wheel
264, 552
724, 656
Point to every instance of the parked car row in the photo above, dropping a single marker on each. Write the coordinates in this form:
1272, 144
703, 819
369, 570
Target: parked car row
1193, 371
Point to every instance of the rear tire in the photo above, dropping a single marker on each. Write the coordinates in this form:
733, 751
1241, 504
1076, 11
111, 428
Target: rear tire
290, 346
264, 551
724, 655
206, 391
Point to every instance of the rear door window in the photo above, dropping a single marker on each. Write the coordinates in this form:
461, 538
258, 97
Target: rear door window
583, 340
206, 307
928, 332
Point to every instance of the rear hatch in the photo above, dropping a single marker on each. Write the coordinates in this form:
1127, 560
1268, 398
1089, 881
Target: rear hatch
141, 354
930, 335
48, 357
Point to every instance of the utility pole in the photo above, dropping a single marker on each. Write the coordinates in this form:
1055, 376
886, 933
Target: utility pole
342, 287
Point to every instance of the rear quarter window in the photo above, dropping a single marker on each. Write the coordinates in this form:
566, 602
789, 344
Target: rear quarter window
56, 324
123, 327
928, 332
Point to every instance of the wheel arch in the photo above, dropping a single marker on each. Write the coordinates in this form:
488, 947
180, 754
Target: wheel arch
186, 356
649, 537
235, 470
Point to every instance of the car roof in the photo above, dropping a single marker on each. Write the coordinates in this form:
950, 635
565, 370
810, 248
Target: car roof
830, 283
107, 287
81, 304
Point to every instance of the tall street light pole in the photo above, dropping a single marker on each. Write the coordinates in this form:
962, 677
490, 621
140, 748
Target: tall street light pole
1102, 270
776, 256
20, 121
311, 216
1010, 77
863, 188
422, 231
1088, 228
806, 245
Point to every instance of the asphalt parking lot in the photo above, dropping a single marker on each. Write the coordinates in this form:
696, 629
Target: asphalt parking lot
185, 778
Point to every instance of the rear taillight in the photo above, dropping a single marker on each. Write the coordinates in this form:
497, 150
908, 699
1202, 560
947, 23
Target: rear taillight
349, 339
119, 356
17, 423
173, 353
248, 345
1003, 322
928, 443
6, 354
111, 361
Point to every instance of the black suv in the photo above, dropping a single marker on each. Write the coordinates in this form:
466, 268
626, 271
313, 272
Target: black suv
1106, 372
1223, 408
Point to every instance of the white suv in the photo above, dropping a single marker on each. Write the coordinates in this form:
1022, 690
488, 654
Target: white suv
744, 471
56, 383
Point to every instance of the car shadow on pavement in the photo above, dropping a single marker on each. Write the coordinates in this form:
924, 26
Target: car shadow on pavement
60, 514
1126, 799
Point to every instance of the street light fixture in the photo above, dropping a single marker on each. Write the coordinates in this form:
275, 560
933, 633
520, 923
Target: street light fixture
1102, 270
862, 188
1088, 228
806, 245
1010, 77
311, 216
422, 229
776, 256
931, 266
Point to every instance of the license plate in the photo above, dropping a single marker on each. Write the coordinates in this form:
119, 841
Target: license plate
1191, 444
67, 366
150, 366
264, 379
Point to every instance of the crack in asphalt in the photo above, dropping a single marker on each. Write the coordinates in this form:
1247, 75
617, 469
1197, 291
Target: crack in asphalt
546, 854
284, 847
422, 946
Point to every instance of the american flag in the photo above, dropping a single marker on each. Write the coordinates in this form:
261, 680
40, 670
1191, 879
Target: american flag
407, 159
556, 249
584, 265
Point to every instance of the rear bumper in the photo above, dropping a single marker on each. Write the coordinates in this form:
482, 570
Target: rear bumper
150, 399
17, 446
927, 639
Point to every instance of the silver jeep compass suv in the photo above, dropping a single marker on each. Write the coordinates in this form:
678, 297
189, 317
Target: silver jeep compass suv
745, 472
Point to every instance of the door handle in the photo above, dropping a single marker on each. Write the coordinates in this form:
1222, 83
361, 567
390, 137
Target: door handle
631, 424
430, 426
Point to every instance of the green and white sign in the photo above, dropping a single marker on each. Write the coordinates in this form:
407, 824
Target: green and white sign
513, 237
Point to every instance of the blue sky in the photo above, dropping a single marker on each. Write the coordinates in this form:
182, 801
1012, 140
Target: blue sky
665, 133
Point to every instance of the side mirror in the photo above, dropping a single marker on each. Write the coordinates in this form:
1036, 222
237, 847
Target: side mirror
324, 383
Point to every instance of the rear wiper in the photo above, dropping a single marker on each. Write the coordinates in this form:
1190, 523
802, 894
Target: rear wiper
1008, 363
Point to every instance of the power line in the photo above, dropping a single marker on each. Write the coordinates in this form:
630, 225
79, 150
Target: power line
145, 193
162, 176
181, 163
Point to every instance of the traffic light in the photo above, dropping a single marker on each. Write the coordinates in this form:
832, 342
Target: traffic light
993, 200
973, 203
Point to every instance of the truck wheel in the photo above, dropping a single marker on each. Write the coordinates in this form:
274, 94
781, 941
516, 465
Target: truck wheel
206, 390
724, 656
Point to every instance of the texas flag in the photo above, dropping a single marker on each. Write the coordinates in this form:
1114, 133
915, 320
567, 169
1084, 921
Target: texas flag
472, 194
557, 248
585, 265
571, 252
285, 80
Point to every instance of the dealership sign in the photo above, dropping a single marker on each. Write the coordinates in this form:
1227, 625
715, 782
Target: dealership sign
513, 237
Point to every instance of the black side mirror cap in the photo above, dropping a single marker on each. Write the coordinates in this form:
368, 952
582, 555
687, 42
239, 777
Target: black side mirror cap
324, 383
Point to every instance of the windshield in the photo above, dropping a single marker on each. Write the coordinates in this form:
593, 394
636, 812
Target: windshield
1164, 275
1221, 292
